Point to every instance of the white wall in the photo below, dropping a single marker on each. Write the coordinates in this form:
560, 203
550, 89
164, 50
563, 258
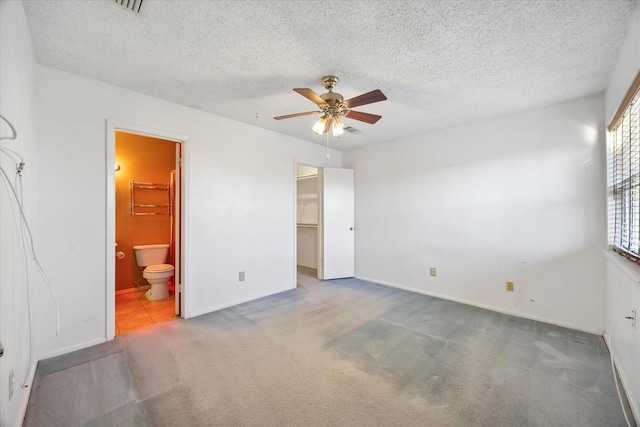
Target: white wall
240, 203
513, 199
623, 294
17, 104
623, 277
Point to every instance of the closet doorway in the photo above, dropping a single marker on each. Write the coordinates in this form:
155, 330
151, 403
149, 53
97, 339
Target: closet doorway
307, 219
325, 216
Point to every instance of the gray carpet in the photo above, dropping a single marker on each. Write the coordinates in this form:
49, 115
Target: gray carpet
337, 353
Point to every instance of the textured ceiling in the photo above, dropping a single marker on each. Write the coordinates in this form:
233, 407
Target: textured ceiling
440, 63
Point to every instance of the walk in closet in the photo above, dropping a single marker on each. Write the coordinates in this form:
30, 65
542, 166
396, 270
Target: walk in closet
307, 216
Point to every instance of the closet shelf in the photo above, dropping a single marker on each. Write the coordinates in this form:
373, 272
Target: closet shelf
302, 225
306, 177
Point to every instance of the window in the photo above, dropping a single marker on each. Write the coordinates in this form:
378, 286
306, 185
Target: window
625, 175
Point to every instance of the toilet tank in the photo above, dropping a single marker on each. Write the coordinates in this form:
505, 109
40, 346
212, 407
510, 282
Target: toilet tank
151, 254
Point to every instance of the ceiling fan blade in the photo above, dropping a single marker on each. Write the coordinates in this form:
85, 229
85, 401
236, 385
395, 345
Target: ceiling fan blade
310, 95
288, 116
366, 98
363, 117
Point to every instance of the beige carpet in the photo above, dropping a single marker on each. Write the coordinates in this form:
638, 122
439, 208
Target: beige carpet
338, 353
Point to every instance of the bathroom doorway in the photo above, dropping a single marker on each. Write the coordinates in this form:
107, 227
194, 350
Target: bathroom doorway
144, 207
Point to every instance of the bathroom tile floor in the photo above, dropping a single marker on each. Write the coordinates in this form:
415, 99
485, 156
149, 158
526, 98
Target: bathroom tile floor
134, 311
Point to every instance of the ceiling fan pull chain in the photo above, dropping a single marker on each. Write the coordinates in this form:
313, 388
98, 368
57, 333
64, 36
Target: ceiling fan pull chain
327, 145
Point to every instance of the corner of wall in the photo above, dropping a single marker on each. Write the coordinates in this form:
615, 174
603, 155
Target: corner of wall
626, 68
623, 277
18, 71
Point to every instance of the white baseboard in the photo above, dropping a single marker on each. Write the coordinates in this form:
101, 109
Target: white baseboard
484, 306
24, 403
238, 302
71, 348
624, 382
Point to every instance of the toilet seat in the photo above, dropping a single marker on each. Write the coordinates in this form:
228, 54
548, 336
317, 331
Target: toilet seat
159, 268
157, 275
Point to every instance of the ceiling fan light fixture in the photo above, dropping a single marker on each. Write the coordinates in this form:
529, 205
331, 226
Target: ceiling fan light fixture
334, 108
337, 125
319, 126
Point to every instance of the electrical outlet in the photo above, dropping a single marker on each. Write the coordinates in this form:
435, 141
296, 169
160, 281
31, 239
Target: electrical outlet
432, 271
241, 276
510, 286
10, 384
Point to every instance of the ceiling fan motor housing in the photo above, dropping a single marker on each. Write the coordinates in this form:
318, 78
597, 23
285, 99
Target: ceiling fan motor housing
332, 97
334, 104
329, 82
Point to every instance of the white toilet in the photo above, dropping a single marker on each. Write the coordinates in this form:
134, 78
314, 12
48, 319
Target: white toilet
153, 258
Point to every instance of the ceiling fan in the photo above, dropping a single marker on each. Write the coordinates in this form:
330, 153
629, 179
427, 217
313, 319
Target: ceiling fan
333, 107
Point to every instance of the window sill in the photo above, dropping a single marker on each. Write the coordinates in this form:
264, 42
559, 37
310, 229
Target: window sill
630, 268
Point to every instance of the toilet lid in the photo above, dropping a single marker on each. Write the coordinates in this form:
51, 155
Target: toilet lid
159, 268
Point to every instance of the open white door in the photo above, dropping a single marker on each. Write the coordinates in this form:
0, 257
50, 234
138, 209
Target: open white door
176, 230
336, 242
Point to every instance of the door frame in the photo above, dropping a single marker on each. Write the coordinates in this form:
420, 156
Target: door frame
110, 238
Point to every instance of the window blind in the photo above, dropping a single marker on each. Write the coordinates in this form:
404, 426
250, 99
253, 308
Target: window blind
625, 177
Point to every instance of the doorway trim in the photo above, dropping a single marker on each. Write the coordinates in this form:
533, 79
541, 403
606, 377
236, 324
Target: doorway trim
110, 237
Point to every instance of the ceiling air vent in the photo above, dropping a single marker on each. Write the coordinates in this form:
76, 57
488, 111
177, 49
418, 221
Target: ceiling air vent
137, 7
351, 129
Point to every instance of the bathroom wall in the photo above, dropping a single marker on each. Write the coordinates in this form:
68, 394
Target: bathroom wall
142, 159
